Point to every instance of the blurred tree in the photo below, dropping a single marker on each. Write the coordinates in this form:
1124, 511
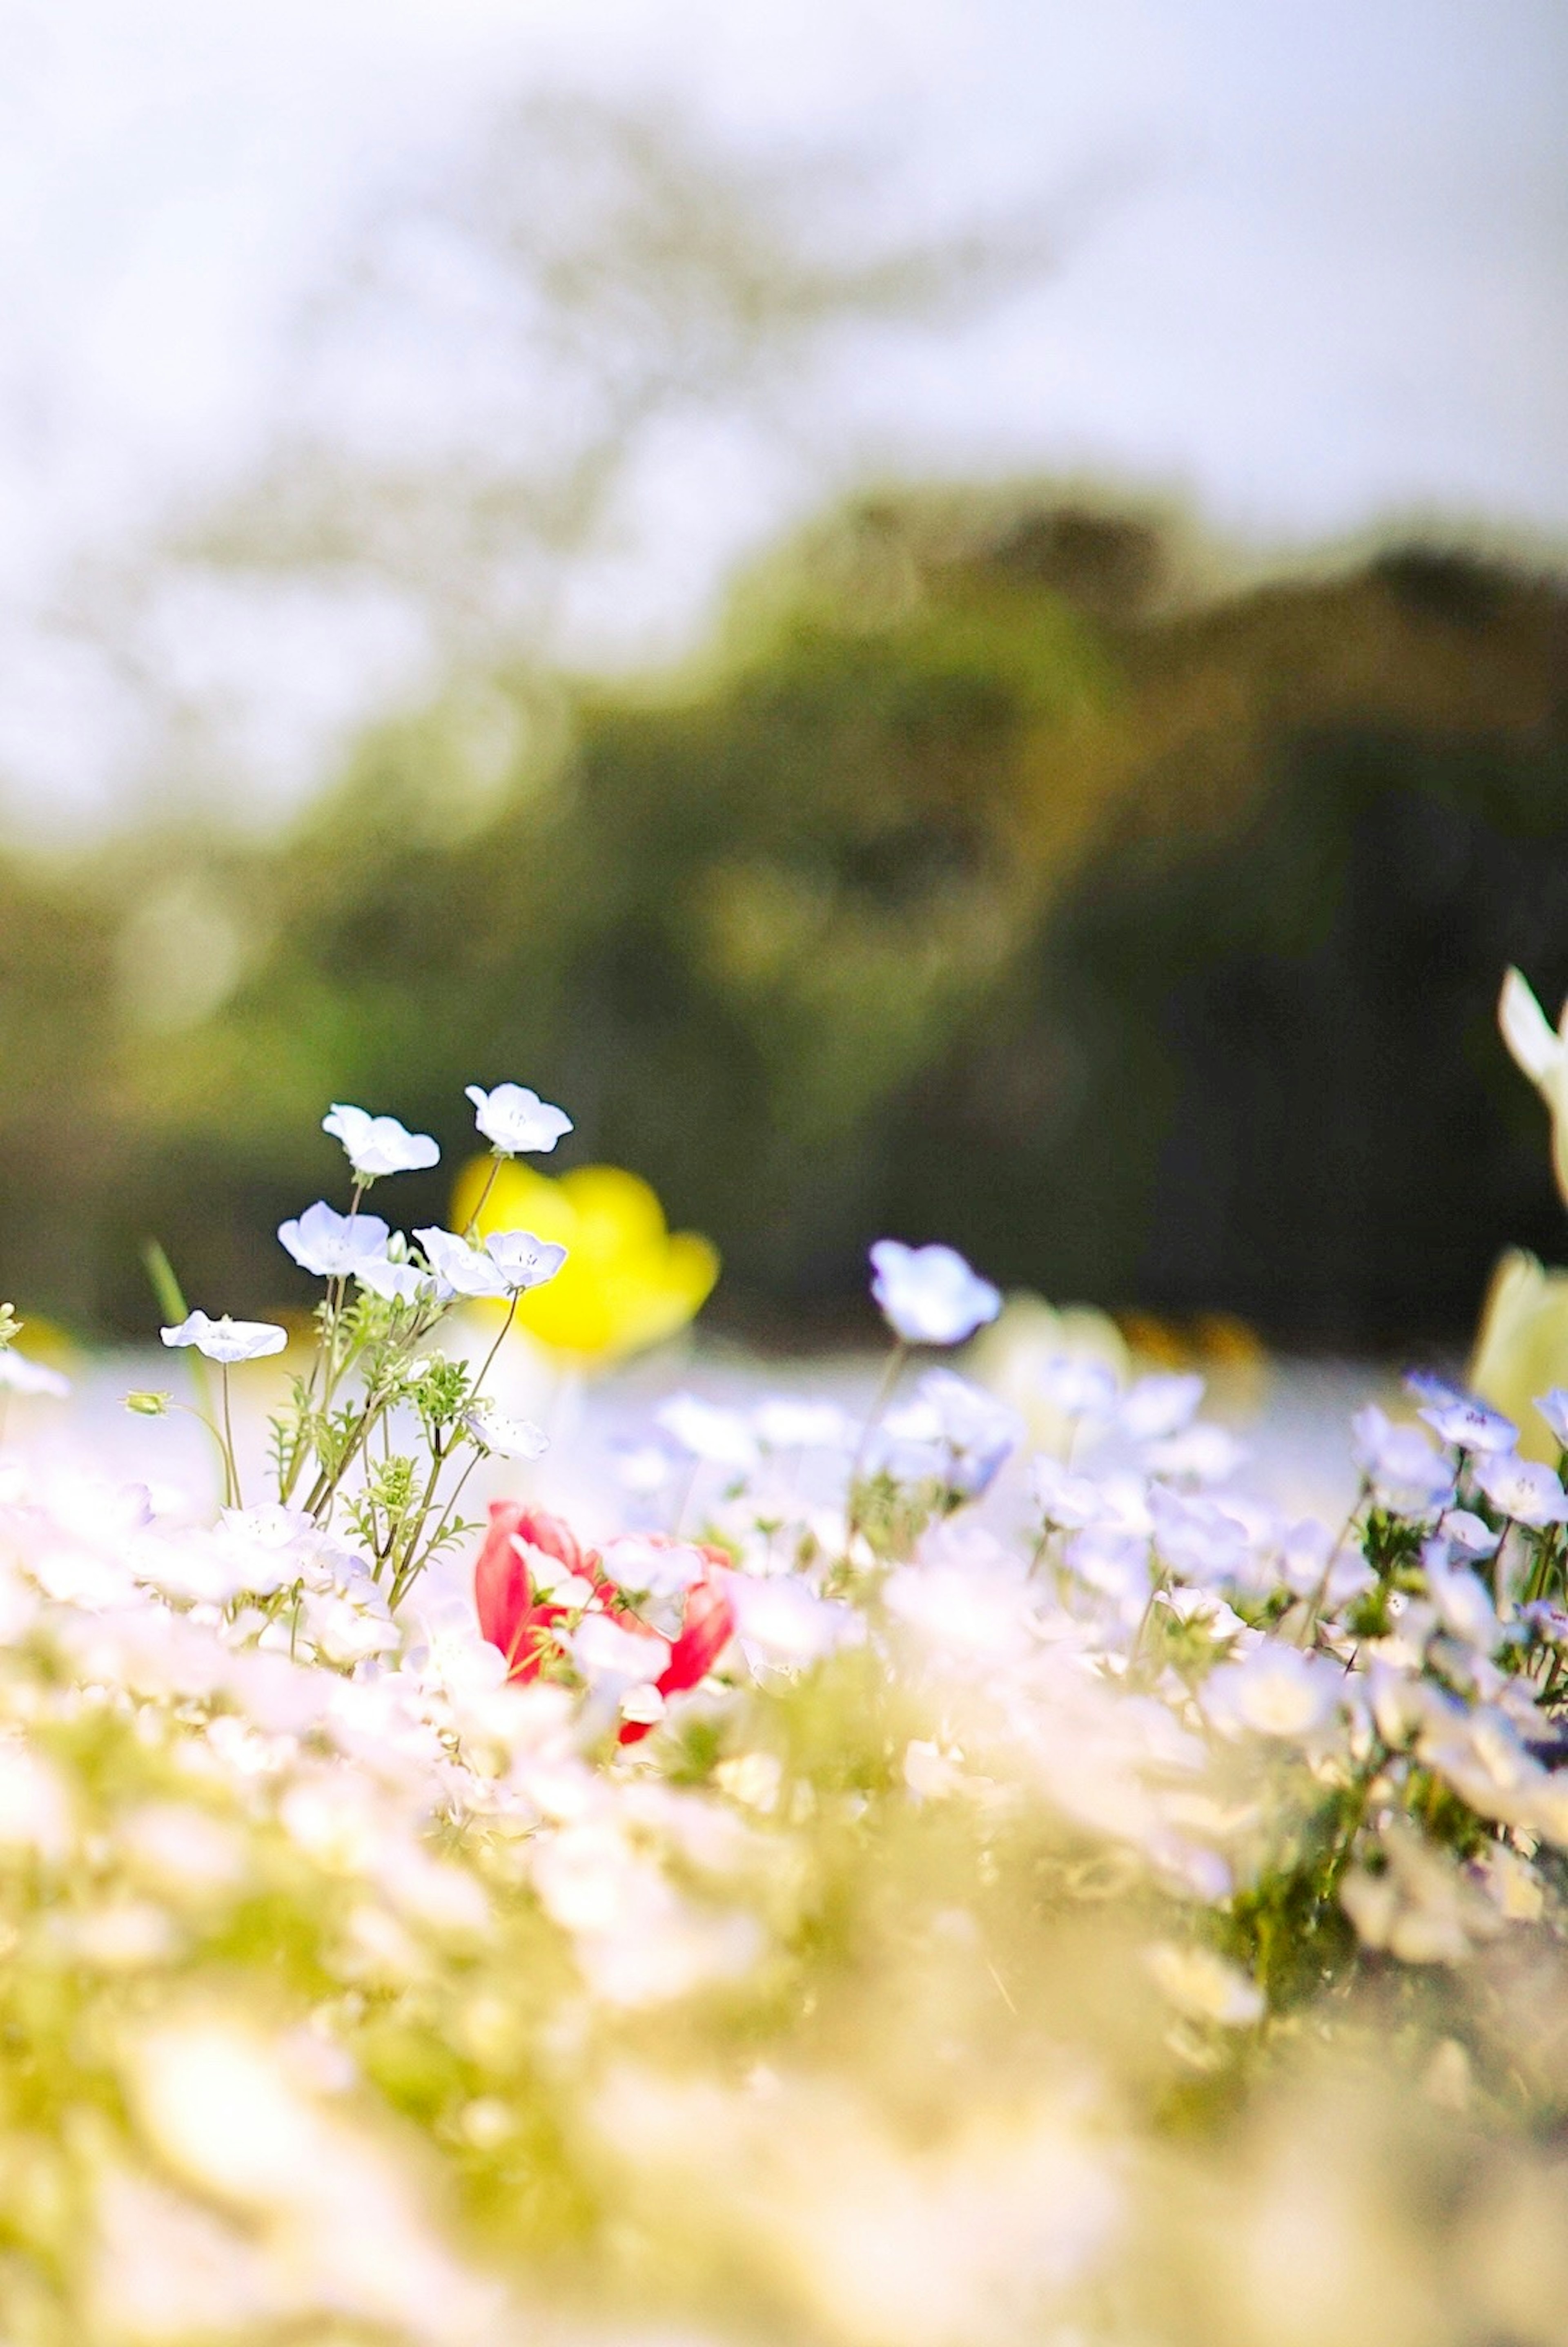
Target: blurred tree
986, 879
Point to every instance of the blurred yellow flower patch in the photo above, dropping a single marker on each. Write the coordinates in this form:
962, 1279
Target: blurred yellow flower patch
1522, 1346
628, 1281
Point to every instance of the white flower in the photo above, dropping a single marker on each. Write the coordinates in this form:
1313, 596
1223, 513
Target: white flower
506, 1265
1468, 1533
970, 1432
379, 1144
513, 1119
330, 1244
19, 1375
1160, 1405
705, 1429
607, 1654
795, 1422
780, 1620
1203, 1452
1544, 1056
1078, 1384
1464, 1606
1201, 1984
1552, 1406
1530, 1494
1067, 1500
651, 1568
1276, 1691
507, 1438
523, 1260
398, 1282
928, 1294
228, 1340
1407, 1473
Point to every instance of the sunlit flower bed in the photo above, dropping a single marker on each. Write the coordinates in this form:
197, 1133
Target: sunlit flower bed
877, 1883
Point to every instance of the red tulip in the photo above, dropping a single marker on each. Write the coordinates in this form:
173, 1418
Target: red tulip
523, 1624
510, 1615
706, 1626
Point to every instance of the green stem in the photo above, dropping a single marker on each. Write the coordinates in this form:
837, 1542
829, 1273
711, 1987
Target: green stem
232, 1498
406, 1578
471, 1224
892, 1370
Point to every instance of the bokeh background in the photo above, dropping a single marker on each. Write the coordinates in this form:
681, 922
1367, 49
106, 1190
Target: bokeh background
941, 619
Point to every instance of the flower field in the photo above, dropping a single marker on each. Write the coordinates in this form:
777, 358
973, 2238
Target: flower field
954, 1870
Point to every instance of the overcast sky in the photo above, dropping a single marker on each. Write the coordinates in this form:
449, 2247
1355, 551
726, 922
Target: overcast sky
1325, 283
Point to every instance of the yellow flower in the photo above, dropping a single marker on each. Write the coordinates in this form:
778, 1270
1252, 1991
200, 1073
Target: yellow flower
628, 1281
1522, 1346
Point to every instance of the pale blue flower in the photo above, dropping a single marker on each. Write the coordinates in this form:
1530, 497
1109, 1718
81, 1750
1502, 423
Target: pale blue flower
1470, 1425
1403, 1467
928, 1294
514, 1119
1531, 1494
507, 1263
330, 1244
1554, 1409
228, 1340
1160, 1405
952, 1430
505, 1438
379, 1144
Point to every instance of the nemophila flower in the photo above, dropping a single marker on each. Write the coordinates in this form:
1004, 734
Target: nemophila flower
1276, 1690
1468, 1534
226, 1340
18, 1375
507, 1264
379, 1144
393, 1279
1066, 1500
1520, 1488
1541, 1051
1403, 1467
928, 1294
790, 1422
1552, 1406
1464, 1606
1160, 1405
652, 1565
333, 1246
707, 1430
968, 1434
1078, 1385
505, 1438
514, 1119
1200, 1453
1469, 1425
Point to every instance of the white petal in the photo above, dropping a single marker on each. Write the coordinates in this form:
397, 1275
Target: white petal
1526, 1029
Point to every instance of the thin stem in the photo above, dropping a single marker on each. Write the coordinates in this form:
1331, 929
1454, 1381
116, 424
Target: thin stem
232, 1498
504, 1332
406, 1575
471, 1224
891, 1371
1320, 1595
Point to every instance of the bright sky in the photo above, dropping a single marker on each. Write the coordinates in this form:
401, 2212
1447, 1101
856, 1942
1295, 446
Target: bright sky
1329, 287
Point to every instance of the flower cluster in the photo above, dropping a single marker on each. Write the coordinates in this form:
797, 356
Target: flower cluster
866, 1879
